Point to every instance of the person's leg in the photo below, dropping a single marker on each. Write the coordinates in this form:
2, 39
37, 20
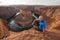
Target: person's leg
40, 28
43, 32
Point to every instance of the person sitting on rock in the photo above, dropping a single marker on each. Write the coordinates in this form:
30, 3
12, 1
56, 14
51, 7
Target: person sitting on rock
41, 23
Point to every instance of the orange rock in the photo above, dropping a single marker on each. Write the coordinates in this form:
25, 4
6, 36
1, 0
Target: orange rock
3, 28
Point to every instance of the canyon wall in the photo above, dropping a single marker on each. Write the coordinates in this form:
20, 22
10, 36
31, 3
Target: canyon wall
50, 13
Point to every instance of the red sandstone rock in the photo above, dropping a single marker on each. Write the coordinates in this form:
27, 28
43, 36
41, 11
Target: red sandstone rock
53, 21
4, 30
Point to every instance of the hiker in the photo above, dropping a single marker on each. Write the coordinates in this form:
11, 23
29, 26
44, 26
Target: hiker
41, 23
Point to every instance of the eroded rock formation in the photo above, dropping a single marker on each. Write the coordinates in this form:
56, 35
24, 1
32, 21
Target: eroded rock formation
4, 29
51, 15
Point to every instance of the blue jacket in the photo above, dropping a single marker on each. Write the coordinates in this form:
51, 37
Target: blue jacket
42, 24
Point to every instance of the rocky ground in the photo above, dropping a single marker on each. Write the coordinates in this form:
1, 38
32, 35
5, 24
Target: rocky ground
33, 34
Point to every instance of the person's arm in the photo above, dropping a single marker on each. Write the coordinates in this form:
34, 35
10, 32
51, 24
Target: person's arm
34, 21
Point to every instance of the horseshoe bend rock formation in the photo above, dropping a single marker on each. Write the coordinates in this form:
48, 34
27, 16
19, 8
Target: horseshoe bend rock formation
52, 16
25, 17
